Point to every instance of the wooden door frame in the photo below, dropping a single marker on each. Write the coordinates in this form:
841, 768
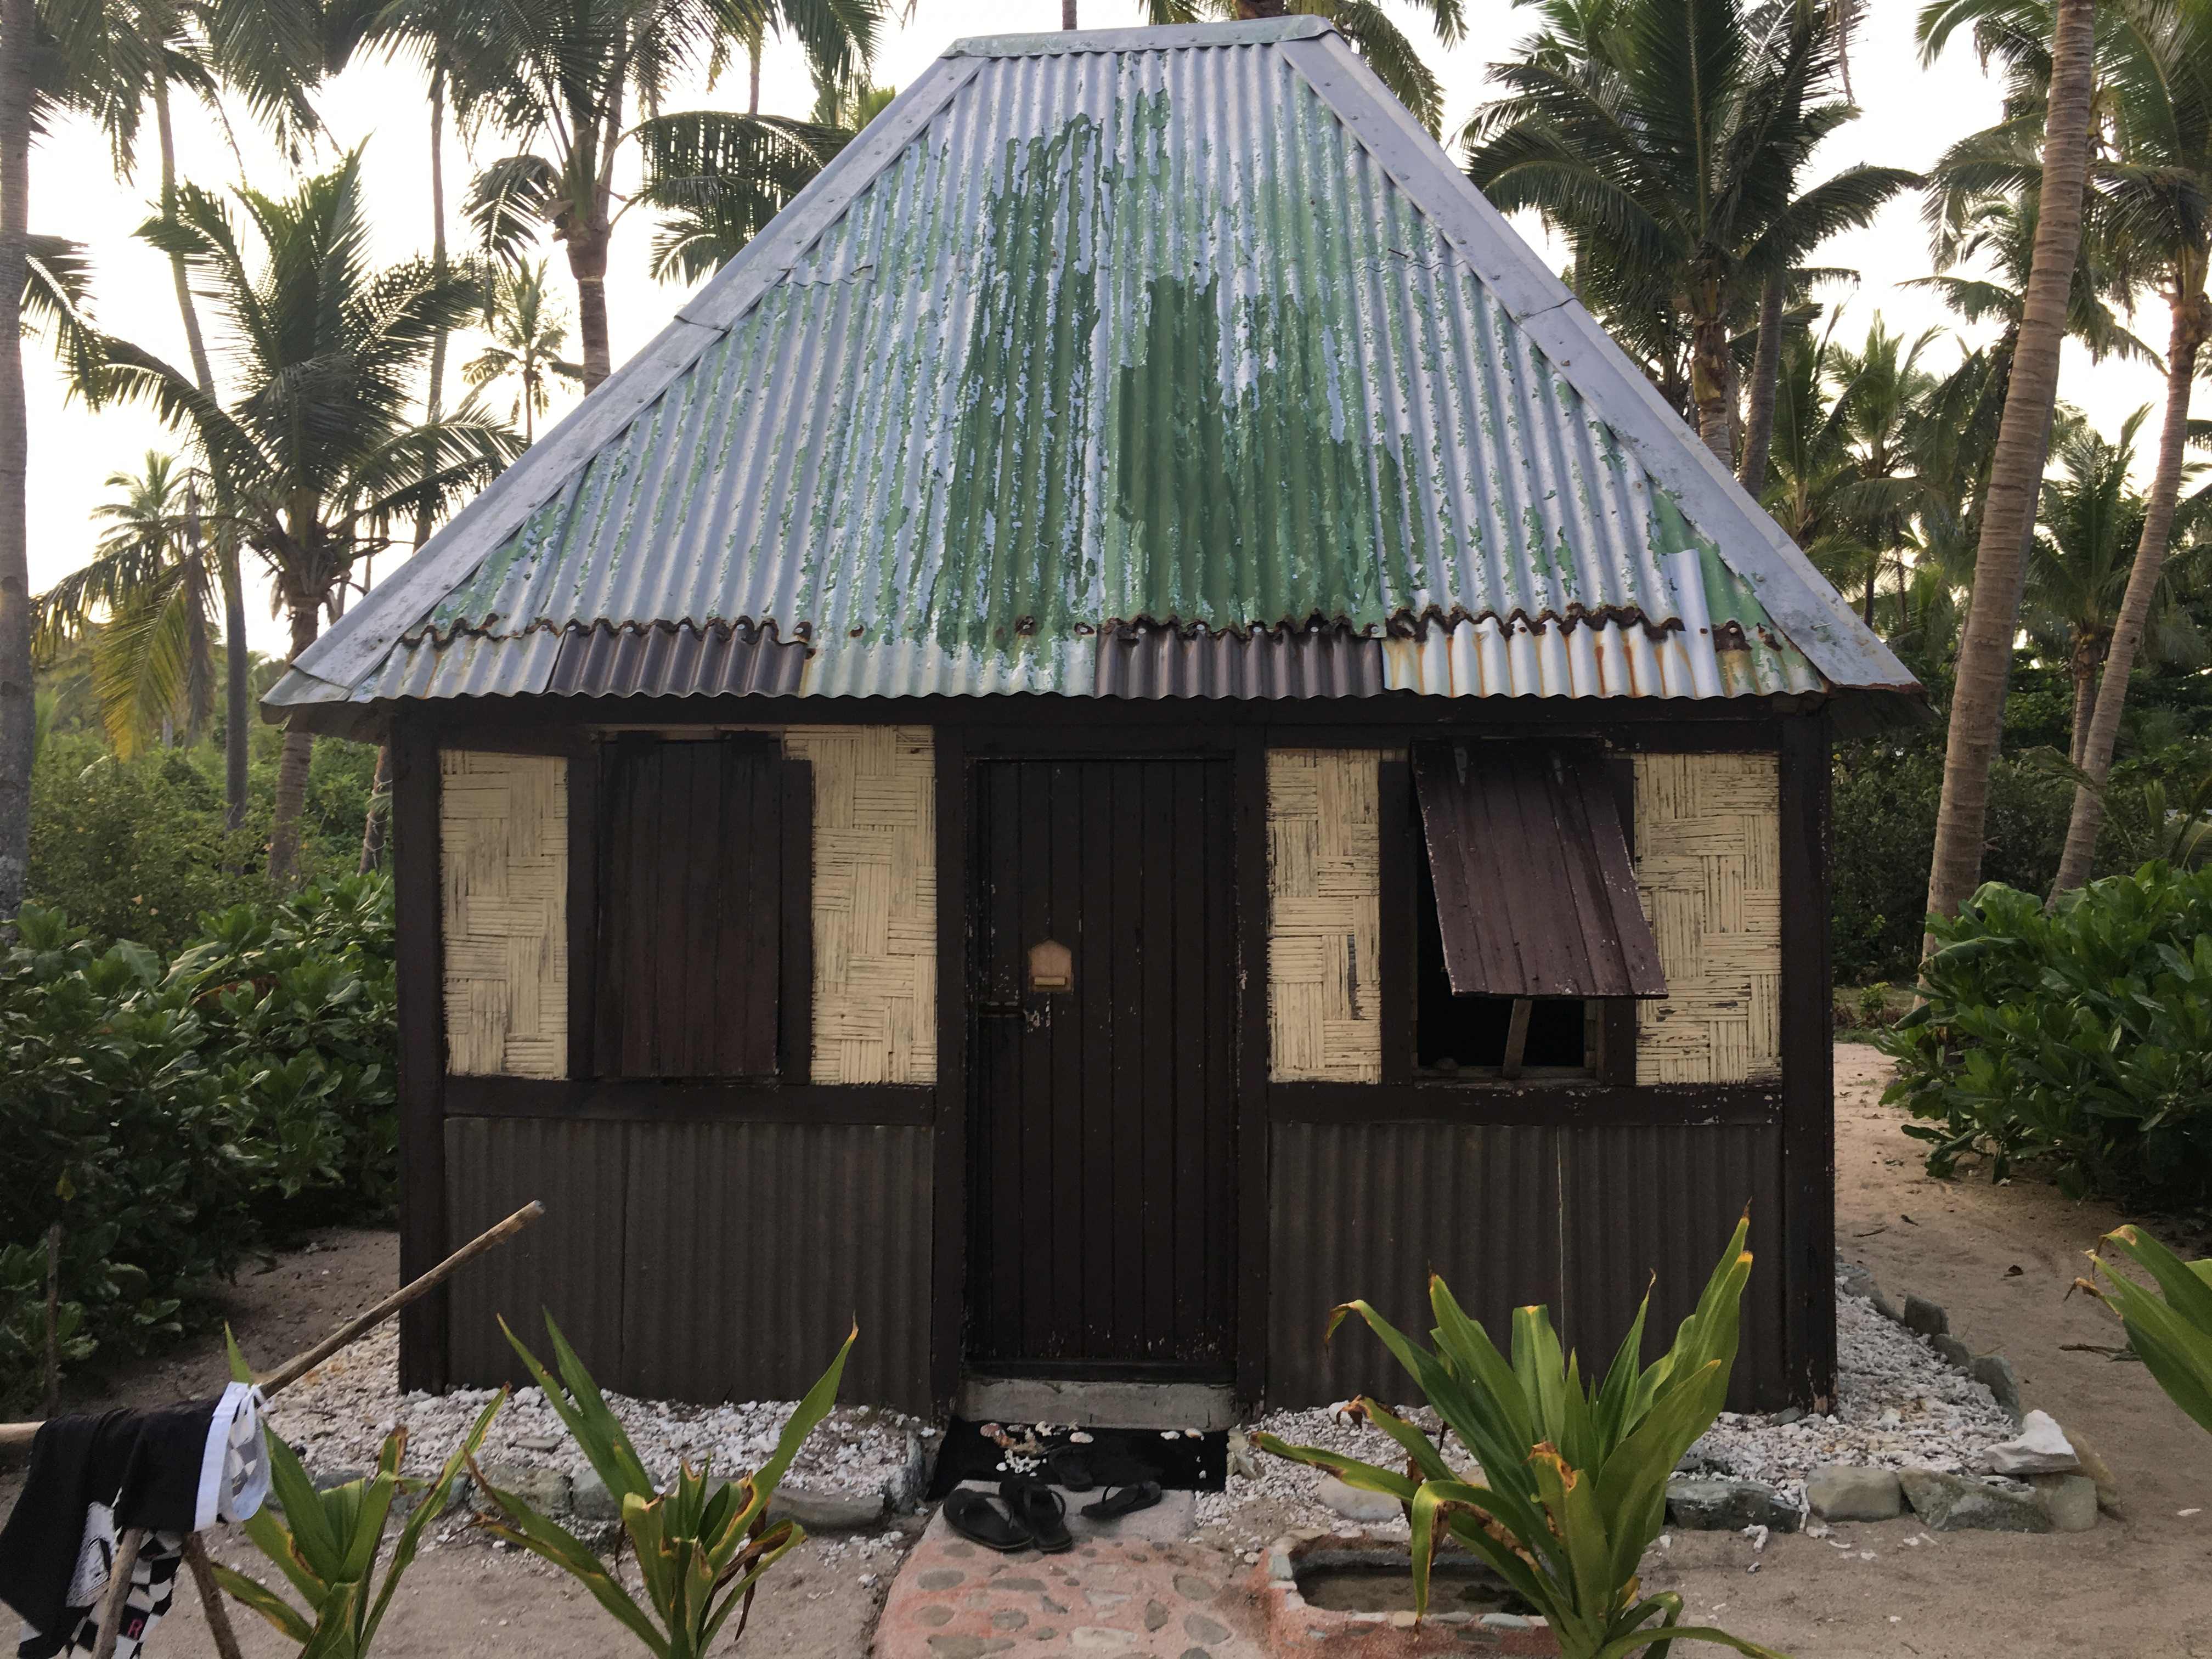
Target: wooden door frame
959, 748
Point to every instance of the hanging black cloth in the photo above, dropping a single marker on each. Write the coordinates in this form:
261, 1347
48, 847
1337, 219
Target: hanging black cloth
172, 1472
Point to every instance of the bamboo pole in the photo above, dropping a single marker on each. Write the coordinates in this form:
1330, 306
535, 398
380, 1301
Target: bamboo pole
14, 1435
118, 1589
218, 1615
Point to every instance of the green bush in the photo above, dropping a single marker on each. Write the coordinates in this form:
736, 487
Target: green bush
136, 849
172, 1116
1884, 823
2081, 1039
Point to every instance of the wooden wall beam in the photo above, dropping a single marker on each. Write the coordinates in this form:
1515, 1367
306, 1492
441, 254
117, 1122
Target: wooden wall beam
420, 983
1808, 1076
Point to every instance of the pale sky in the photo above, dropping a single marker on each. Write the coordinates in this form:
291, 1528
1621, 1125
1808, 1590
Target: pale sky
1910, 116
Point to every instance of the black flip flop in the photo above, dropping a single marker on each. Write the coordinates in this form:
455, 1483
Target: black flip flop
1125, 1500
1068, 1467
1036, 1506
973, 1515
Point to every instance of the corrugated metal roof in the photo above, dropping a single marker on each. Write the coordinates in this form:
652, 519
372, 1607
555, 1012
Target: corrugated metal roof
1185, 327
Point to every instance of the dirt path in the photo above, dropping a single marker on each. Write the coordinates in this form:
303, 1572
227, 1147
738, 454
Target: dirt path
2134, 1588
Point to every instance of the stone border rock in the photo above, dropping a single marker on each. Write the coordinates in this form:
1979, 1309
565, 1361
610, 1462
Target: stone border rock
1296, 1626
581, 1495
2042, 1481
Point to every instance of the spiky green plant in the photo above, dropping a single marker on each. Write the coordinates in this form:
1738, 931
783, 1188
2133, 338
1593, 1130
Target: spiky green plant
2171, 1333
327, 1545
1573, 1487
702, 1545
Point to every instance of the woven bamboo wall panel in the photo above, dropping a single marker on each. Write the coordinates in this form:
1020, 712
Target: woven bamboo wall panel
1708, 859
503, 839
1324, 930
875, 902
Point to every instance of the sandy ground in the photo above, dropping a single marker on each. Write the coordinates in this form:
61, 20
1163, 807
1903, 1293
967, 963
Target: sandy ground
2137, 1587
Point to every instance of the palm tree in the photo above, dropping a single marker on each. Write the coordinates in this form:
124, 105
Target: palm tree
1811, 464
527, 330
2162, 195
2080, 567
563, 79
146, 602
2009, 503
316, 434
1885, 415
128, 59
1366, 28
1667, 143
718, 178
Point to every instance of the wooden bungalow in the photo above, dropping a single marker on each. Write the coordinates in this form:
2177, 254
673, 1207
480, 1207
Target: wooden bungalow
1131, 725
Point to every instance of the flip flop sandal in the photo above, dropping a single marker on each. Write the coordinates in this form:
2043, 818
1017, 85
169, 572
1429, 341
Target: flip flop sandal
1126, 1500
1039, 1508
1120, 1469
973, 1515
1071, 1469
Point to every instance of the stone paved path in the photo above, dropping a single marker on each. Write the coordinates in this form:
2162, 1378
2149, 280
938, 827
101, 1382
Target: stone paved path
1111, 1597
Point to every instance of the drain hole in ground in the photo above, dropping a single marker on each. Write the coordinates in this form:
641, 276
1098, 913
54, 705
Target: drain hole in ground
1368, 1585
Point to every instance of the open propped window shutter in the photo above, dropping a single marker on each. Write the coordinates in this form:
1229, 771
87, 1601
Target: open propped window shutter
1536, 888
691, 906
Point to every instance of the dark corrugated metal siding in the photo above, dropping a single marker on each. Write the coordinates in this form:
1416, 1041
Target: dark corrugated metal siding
570, 1261
1368, 1210
699, 1261
1663, 1200
752, 1249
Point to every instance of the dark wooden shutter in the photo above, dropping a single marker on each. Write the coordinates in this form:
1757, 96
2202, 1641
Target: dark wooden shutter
691, 907
1536, 887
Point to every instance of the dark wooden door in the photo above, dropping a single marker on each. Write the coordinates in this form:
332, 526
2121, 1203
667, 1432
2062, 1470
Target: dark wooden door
1103, 1135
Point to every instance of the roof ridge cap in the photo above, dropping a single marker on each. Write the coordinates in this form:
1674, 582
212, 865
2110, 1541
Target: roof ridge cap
1164, 37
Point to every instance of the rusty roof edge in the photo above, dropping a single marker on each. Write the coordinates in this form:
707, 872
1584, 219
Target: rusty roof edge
1809, 611
358, 641
1405, 622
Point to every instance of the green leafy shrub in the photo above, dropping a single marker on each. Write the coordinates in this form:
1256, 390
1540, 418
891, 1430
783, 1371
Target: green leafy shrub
2082, 1039
701, 1544
136, 849
327, 1543
170, 1116
1884, 805
1572, 1486
2170, 1332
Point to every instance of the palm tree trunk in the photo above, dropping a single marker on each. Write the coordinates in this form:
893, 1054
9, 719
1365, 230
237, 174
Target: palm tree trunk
1709, 386
2191, 317
432, 403
1874, 581
1067, 14
237, 664
587, 264
18, 713
2015, 471
1765, 372
753, 59
292, 765
2083, 669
